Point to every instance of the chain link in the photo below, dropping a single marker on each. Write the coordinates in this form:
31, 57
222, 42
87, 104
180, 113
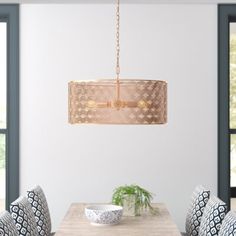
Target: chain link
118, 40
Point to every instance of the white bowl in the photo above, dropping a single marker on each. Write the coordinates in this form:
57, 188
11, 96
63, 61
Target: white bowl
104, 214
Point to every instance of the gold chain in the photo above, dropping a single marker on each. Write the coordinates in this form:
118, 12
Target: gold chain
118, 51
118, 39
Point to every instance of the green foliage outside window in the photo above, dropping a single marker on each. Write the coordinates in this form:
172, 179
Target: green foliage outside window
2, 117
2, 151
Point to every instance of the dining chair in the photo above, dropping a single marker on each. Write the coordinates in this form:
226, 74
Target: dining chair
228, 227
7, 225
39, 204
212, 217
23, 216
199, 199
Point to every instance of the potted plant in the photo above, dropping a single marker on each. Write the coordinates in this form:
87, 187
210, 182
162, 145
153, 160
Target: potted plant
133, 198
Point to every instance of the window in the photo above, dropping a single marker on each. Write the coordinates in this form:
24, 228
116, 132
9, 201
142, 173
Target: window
232, 108
9, 104
3, 109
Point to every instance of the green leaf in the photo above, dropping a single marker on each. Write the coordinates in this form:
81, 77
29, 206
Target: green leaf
143, 197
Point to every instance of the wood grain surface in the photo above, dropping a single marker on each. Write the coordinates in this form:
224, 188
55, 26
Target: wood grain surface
75, 223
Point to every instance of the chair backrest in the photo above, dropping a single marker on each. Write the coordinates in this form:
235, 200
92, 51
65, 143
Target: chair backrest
7, 225
199, 199
212, 217
228, 226
23, 216
38, 202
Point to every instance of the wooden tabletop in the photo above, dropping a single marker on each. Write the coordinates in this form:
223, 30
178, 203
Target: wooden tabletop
75, 223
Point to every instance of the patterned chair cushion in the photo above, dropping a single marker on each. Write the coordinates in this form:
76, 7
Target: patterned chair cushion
228, 227
40, 208
212, 217
23, 216
7, 225
197, 205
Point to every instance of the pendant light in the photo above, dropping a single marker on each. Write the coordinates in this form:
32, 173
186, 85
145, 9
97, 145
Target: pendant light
118, 101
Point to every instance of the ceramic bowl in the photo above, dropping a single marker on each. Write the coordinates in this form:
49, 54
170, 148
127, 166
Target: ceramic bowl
104, 214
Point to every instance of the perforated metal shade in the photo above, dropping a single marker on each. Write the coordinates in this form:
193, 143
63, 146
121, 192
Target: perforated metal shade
139, 102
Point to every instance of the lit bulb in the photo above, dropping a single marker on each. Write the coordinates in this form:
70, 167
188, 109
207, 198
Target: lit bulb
91, 104
142, 104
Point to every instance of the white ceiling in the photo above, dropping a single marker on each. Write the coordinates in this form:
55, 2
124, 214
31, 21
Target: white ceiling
122, 1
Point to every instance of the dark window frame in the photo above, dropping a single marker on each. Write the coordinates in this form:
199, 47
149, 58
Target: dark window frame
10, 13
226, 14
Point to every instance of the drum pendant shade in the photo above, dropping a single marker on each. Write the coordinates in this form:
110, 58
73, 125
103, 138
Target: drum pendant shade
118, 101
141, 102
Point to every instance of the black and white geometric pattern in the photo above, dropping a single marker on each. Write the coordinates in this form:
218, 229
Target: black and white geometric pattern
198, 202
228, 227
212, 217
104, 215
40, 208
7, 225
23, 216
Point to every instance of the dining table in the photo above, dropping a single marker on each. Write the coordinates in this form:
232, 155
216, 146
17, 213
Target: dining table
161, 223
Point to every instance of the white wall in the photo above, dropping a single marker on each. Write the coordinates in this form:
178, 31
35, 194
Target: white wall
176, 43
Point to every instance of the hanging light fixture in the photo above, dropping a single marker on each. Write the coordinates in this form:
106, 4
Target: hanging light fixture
118, 101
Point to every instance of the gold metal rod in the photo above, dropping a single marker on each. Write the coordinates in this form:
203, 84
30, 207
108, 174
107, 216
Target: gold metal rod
120, 104
117, 90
